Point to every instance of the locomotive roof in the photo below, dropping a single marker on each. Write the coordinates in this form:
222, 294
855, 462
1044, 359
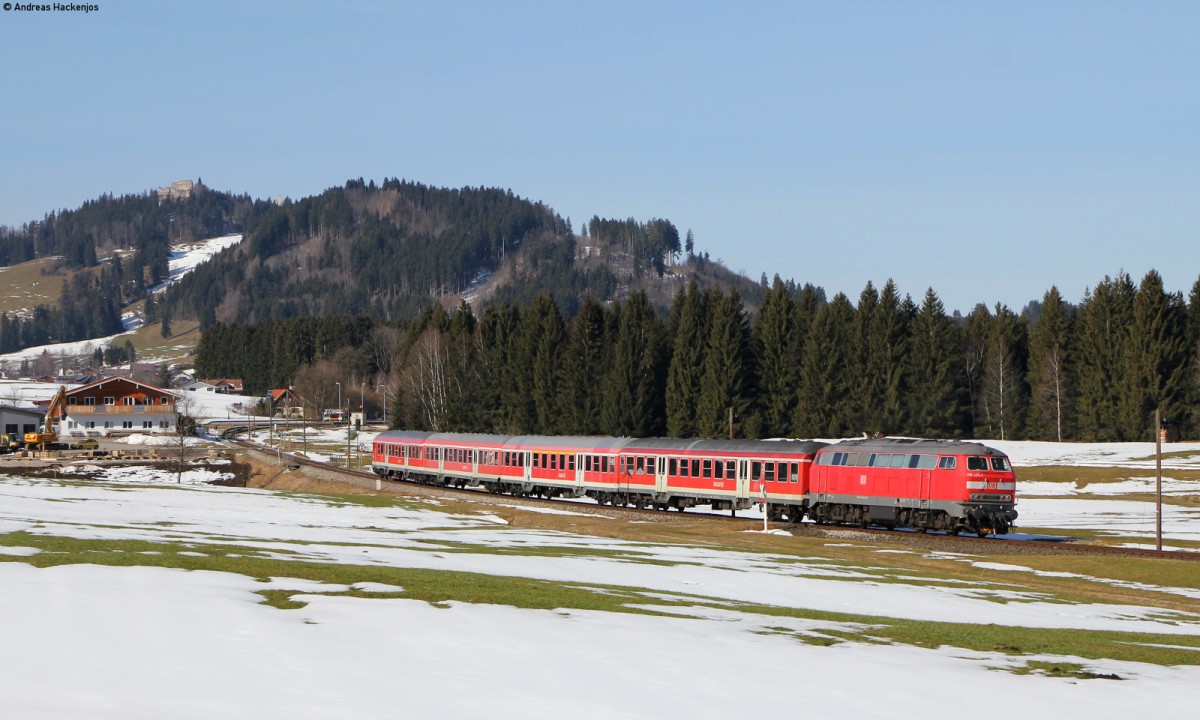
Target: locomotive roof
946, 447
746, 446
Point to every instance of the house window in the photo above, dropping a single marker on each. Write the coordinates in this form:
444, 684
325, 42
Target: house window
90, 424
163, 424
147, 424
89, 401
72, 424
127, 424
129, 400
108, 423
11, 429
162, 400
110, 400
71, 401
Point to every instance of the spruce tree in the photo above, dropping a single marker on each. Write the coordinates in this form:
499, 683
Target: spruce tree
1049, 375
824, 387
935, 364
544, 340
1158, 356
885, 361
867, 386
1104, 387
634, 404
585, 364
775, 341
690, 319
728, 371
1192, 429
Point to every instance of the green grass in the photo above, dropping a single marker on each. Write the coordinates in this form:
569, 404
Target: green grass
439, 587
26, 287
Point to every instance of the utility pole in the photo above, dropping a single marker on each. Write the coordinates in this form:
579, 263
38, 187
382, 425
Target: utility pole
730, 423
1158, 479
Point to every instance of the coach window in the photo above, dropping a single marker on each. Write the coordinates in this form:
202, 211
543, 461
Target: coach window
718, 470
571, 462
756, 470
707, 469
640, 465
769, 475
975, 462
673, 466
1000, 464
947, 462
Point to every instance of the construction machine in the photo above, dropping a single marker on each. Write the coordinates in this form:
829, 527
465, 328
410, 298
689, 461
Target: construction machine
47, 435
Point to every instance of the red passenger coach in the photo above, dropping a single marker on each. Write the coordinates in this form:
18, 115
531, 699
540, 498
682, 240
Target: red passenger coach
725, 474
923, 484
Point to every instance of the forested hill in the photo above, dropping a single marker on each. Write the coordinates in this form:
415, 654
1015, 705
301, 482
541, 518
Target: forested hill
384, 251
109, 251
388, 251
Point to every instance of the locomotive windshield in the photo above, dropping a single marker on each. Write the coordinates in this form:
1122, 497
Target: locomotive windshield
1000, 464
976, 462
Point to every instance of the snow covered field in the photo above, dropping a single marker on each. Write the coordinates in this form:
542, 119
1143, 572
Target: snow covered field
85, 640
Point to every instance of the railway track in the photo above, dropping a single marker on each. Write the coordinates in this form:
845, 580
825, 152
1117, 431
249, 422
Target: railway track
928, 541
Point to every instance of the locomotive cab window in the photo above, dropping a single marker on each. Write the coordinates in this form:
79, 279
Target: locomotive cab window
947, 462
1000, 464
974, 462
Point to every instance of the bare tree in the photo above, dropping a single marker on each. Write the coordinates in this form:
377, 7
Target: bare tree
383, 344
425, 379
185, 427
317, 384
1053, 388
44, 365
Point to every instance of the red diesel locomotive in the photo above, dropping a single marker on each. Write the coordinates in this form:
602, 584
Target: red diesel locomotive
921, 484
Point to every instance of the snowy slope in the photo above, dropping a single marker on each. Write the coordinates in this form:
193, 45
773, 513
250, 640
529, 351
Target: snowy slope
183, 259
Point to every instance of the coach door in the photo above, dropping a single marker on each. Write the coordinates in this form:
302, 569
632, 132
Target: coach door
660, 475
926, 487
743, 478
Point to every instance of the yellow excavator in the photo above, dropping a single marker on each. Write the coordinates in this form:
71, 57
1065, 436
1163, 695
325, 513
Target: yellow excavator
47, 435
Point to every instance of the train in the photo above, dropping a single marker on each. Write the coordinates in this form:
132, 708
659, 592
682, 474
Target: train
944, 485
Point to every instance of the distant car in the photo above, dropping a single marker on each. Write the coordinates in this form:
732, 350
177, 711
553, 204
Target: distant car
88, 444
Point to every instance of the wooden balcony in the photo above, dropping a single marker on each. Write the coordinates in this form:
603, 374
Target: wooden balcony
121, 409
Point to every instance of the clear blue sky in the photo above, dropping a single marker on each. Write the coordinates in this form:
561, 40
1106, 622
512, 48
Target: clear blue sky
988, 150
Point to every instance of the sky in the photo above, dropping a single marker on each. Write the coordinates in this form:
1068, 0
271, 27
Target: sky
986, 150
